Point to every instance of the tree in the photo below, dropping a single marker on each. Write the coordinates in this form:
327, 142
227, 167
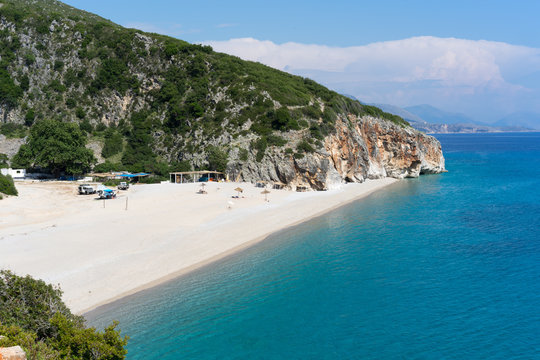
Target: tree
57, 146
139, 142
33, 316
113, 143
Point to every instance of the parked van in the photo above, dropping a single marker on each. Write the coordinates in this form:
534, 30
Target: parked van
86, 189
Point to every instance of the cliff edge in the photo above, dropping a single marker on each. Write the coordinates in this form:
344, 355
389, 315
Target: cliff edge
360, 148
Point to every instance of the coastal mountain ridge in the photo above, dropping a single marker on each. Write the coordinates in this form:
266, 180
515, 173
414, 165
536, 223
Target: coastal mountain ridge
153, 103
430, 119
434, 115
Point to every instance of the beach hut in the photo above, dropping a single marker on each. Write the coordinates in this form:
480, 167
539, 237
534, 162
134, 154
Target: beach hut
260, 184
278, 185
181, 177
301, 188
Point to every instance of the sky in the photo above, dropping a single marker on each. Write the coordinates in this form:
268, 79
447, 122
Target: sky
480, 58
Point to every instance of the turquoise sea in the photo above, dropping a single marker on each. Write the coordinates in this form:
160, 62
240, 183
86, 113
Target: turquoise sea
441, 267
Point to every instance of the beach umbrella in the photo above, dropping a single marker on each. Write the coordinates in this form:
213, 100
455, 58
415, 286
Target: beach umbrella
239, 190
265, 192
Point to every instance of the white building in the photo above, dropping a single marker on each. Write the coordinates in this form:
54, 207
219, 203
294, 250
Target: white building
16, 174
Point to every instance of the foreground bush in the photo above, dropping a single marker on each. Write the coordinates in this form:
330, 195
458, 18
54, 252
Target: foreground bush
7, 186
33, 316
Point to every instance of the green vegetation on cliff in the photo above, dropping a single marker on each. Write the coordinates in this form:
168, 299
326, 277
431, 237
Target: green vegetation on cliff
165, 99
33, 316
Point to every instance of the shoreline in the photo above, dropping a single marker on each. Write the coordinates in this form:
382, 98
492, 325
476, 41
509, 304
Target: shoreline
224, 255
156, 240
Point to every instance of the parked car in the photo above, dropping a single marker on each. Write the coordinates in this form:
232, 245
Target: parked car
107, 194
123, 186
86, 189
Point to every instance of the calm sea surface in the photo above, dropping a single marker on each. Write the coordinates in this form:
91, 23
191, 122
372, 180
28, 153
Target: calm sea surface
441, 267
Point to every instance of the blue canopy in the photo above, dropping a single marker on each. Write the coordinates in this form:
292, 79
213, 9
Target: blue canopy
133, 175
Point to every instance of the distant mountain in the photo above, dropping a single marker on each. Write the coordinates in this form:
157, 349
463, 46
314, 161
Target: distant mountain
467, 125
521, 119
434, 115
462, 128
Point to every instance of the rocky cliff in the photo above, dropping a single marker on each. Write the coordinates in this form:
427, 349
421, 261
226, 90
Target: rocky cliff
361, 148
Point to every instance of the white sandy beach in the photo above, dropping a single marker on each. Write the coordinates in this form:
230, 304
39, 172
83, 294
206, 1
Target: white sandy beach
98, 254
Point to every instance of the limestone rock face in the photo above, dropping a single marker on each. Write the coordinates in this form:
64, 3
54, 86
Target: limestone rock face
10, 146
12, 353
360, 148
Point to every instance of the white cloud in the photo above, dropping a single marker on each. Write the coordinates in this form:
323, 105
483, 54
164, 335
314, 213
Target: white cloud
414, 70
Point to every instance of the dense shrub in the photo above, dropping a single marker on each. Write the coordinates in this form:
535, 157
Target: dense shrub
33, 316
114, 74
7, 186
29, 117
80, 113
9, 92
243, 154
85, 126
260, 145
11, 130
304, 146
139, 142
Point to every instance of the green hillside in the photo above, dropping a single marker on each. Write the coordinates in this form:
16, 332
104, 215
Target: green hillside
151, 102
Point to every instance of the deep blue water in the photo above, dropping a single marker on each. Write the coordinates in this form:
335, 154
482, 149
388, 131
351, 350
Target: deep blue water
441, 267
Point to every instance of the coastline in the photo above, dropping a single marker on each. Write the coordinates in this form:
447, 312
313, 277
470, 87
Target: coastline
99, 255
